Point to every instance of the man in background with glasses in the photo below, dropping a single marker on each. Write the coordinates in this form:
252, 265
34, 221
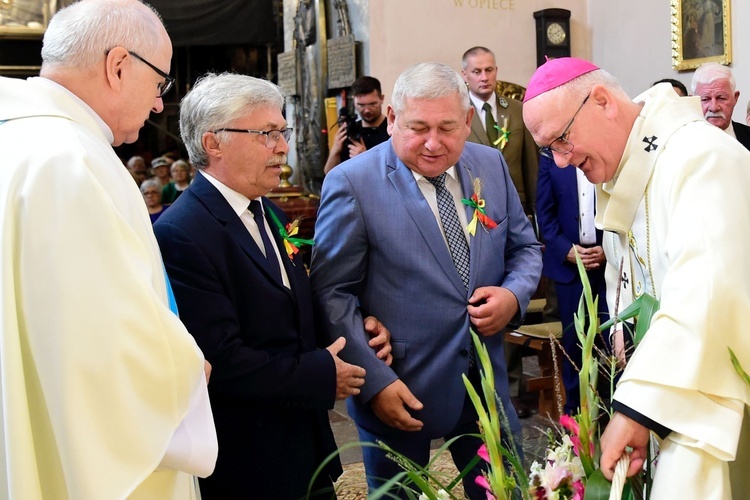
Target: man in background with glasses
104, 391
356, 137
672, 200
244, 294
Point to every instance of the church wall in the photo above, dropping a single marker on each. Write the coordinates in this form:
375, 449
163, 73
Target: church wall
629, 39
404, 32
632, 41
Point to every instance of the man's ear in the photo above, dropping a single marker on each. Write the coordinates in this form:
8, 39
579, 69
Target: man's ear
603, 98
470, 116
391, 116
211, 144
114, 66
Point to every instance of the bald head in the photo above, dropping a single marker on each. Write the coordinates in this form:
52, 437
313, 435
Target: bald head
78, 36
113, 55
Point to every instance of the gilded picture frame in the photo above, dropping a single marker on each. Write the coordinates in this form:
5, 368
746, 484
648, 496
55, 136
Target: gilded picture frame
701, 33
25, 18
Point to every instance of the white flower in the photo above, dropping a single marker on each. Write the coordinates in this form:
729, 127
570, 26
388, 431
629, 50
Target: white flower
441, 495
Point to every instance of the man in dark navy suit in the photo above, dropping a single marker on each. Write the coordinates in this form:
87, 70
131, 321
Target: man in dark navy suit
565, 213
246, 298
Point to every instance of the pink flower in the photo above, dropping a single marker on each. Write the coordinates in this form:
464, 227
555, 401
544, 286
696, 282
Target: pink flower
576, 445
578, 490
482, 481
482, 452
570, 423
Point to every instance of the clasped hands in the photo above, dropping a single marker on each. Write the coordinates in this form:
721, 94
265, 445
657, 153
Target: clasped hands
591, 257
349, 377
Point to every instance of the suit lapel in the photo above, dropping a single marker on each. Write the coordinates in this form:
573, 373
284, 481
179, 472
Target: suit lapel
466, 177
220, 209
294, 267
478, 129
419, 210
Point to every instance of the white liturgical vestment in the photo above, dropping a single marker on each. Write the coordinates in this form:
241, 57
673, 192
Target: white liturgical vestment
100, 381
678, 216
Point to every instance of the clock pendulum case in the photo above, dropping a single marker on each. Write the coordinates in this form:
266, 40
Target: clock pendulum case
552, 34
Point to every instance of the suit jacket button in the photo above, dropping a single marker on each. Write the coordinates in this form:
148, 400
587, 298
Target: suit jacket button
464, 352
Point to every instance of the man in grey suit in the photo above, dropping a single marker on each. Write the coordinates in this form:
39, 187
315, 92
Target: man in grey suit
392, 240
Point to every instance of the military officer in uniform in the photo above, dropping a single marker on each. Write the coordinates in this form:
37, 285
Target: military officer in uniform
498, 122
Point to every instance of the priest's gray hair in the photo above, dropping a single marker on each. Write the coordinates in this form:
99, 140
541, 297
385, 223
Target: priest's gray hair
428, 80
710, 72
80, 35
216, 101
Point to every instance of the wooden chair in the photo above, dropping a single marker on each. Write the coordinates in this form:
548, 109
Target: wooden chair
536, 338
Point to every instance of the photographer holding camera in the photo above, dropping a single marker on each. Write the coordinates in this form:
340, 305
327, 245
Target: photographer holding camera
354, 137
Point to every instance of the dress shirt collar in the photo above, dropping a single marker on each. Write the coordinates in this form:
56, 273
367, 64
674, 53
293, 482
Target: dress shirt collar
478, 103
730, 130
238, 202
451, 173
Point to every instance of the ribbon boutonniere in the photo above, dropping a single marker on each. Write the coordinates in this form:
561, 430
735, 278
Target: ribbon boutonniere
478, 204
504, 134
291, 244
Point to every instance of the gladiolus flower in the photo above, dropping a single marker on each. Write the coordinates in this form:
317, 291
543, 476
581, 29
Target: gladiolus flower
570, 423
483, 453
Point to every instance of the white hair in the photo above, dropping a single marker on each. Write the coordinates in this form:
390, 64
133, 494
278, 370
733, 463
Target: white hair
80, 35
429, 80
217, 100
710, 72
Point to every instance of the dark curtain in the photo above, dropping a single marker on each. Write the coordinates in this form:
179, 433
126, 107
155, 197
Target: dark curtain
218, 22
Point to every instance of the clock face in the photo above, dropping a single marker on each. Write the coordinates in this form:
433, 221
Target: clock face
556, 33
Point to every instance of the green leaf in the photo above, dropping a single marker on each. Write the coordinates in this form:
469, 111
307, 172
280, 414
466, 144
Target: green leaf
597, 487
736, 363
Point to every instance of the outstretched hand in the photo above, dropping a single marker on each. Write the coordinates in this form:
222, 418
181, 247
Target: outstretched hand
349, 378
389, 406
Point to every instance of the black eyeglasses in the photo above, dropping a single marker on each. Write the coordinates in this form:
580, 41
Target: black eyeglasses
272, 136
168, 80
561, 144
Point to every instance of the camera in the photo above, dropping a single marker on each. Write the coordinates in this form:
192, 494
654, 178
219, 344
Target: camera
353, 127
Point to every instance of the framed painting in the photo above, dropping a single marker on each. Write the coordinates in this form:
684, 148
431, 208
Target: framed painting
700, 33
26, 18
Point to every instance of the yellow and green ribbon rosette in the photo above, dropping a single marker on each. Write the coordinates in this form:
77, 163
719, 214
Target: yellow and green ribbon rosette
478, 204
288, 233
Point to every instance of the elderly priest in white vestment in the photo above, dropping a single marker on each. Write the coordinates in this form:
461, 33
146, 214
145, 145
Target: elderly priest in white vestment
673, 201
103, 389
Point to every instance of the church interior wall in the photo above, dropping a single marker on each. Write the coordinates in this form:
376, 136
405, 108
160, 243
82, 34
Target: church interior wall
629, 39
632, 41
404, 33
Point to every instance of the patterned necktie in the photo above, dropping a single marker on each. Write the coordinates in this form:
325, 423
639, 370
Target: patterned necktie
489, 124
273, 262
454, 233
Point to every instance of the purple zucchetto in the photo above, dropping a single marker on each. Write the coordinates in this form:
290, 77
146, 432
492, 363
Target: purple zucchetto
556, 72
